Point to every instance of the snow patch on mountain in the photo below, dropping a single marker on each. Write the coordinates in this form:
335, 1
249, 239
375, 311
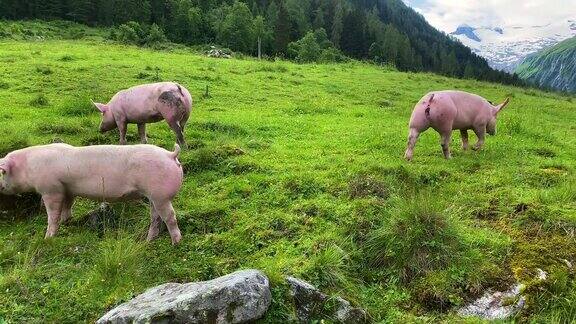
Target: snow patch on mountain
505, 47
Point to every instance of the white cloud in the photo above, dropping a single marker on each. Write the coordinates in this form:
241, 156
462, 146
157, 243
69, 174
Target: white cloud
446, 15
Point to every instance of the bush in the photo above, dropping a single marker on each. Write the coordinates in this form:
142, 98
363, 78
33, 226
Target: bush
315, 47
155, 35
129, 33
132, 33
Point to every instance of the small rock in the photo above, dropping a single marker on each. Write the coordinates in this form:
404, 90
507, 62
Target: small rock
309, 301
568, 264
102, 218
348, 314
495, 305
218, 53
240, 297
542, 275
311, 304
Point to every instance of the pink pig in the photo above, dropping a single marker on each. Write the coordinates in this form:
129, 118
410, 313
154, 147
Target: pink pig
60, 172
449, 110
147, 103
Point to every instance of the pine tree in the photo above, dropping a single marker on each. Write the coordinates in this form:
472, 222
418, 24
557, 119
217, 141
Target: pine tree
353, 39
282, 29
318, 18
337, 24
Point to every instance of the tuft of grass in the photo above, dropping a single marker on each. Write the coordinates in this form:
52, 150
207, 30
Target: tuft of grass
215, 126
59, 129
66, 58
206, 158
419, 238
44, 70
13, 142
116, 260
328, 268
40, 101
78, 106
368, 186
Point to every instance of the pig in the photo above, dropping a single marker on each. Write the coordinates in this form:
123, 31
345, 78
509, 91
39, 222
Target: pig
147, 103
61, 172
448, 110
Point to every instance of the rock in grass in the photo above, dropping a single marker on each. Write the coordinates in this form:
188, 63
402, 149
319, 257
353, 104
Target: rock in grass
102, 218
311, 304
308, 300
240, 297
495, 305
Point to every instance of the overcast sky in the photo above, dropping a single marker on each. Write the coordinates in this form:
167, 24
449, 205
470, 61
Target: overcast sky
446, 15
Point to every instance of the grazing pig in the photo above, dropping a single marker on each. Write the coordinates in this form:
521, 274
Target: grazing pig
147, 103
60, 172
449, 110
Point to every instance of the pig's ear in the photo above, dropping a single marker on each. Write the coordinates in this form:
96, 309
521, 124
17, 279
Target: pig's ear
502, 105
101, 107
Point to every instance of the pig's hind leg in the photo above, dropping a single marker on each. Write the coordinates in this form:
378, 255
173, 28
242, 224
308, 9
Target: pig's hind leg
412, 138
166, 212
155, 223
54, 204
464, 135
445, 142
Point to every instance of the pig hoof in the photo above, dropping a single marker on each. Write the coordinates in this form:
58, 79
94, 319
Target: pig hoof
176, 240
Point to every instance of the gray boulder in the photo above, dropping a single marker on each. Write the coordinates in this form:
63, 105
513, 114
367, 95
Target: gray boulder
495, 305
239, 297
312, 304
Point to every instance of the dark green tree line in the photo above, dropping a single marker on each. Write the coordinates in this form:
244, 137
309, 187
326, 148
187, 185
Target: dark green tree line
383, 31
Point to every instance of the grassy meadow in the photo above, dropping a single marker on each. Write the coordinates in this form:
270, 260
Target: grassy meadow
295, 170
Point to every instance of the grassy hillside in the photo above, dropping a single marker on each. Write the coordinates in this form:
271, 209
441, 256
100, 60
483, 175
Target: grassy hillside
295, 169
553, 68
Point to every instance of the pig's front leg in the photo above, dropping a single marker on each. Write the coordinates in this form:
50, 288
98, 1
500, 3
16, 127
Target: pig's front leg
53, 203
464, 135
481, 134
412, 138
155, 223
168, 215
445, 143
122, 127
142, 133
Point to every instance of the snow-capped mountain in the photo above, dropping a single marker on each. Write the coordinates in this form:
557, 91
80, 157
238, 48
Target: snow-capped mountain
506, 47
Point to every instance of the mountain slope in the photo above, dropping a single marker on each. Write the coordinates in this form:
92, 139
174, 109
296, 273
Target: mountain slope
553, 68
506, 47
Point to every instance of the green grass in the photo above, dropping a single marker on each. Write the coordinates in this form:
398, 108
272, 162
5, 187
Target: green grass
295, 170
